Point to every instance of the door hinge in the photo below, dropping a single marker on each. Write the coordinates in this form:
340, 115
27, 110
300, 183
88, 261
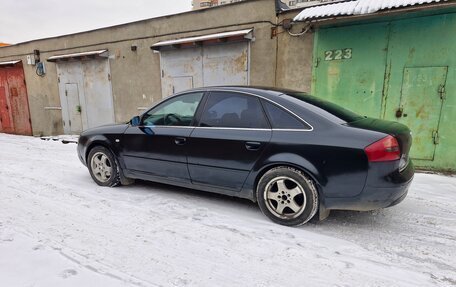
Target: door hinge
66, 93
436, 137
441, 92
69, 123
58, 79
109, 77
317, 62
163, 73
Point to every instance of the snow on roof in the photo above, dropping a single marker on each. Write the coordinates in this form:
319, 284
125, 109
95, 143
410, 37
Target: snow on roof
100, 53
9, 63
358, 7
244, 33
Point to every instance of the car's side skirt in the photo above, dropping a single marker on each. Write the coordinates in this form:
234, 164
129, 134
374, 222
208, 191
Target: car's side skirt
186, 184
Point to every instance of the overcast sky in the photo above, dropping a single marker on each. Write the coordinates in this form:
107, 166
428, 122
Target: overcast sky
24, 20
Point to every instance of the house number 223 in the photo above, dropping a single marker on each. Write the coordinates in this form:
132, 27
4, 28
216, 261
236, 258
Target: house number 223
340, 54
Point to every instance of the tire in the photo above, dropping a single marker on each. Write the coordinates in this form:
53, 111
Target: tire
103, 167
287, 196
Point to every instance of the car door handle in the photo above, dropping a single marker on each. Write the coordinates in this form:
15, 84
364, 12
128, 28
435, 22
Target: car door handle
252, 145
180, 141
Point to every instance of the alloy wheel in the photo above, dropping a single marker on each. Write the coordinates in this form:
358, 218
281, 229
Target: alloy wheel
285, 197
101, 167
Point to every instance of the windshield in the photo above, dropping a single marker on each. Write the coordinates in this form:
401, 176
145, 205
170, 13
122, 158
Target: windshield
336, 110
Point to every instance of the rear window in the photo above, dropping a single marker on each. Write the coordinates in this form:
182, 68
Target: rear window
336, 110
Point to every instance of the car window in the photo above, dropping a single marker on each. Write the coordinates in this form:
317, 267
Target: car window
233, 110
178, 111
281, 119
336, 110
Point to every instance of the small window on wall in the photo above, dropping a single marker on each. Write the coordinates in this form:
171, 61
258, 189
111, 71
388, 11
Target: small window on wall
178, 111
233, 110
281, 119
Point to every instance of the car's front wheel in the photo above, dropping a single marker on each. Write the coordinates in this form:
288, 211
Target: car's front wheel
287, 196
103, 167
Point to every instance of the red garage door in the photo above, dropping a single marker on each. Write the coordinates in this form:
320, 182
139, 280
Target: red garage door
14, 108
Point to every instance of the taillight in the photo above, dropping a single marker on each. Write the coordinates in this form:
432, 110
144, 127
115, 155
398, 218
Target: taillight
386, 149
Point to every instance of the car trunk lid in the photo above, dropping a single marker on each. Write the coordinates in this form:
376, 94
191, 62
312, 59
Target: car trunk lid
401, 132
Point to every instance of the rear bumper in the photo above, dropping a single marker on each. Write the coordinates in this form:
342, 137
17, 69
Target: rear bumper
371, 198
376, 195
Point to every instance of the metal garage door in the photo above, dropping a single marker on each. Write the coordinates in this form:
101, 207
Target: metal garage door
349, 66
85, 94
210, 60
421, 106
14, 107
387, 70
225, 64
181, 70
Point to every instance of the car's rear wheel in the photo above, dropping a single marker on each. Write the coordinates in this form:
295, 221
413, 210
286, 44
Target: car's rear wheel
103, 167
287, 196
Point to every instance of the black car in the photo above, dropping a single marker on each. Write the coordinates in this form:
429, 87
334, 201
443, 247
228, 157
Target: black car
293, 153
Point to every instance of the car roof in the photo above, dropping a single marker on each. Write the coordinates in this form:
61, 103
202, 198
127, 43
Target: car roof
268, 92
291, 99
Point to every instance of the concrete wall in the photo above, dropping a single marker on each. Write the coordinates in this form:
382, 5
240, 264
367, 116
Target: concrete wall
136, 75
294, 55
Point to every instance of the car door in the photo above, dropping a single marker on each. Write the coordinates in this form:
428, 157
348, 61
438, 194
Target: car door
232, 134
158, 146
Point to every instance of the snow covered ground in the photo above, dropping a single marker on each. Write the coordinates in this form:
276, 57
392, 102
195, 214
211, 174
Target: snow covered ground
58, 228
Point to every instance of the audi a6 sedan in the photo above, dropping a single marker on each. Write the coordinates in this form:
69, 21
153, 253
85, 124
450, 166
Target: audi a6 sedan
296, 155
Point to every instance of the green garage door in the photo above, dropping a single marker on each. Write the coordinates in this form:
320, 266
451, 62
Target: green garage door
420, 107
402, 69
349, 66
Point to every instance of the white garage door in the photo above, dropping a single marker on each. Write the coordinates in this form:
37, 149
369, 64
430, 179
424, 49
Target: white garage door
85, 94
224, 64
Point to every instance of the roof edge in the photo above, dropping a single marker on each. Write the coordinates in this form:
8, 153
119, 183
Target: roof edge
384, 11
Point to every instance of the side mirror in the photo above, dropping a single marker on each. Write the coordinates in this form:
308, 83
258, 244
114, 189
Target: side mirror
135, 121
